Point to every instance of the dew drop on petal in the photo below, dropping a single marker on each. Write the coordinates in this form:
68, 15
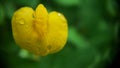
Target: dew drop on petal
61, 16
21, 22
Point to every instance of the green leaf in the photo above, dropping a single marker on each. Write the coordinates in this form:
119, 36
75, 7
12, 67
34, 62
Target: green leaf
10, 8
67, 2
111, 7
76, 38
31, 3
2, 15
24, 53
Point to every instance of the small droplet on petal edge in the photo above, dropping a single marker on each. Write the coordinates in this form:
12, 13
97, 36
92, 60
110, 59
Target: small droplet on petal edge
61, 16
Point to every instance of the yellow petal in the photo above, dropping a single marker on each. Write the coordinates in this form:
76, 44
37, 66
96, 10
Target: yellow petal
40, 25
23, 32
58, 31
41, 20
41, 12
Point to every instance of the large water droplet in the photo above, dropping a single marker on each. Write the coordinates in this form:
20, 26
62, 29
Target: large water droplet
21, 22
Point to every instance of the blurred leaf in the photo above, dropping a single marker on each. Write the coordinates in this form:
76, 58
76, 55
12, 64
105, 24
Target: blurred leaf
9, 8
2, 15
24, 53
110, 6
76, 38
116, 29
28, 55
95, 62
68, 2
30, 3
102, 25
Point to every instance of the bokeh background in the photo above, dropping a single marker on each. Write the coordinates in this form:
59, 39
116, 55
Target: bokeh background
93, 29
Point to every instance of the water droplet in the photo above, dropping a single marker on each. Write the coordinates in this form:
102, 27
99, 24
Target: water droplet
21, 22
61, 16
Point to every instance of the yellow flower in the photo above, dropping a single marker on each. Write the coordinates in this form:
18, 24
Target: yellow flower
39, 32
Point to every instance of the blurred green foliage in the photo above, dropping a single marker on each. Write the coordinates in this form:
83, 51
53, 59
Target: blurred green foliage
92, 30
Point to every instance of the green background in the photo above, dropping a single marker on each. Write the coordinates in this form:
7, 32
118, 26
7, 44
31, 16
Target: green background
92, 34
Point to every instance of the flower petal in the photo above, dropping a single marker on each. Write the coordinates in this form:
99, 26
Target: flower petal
58, 31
